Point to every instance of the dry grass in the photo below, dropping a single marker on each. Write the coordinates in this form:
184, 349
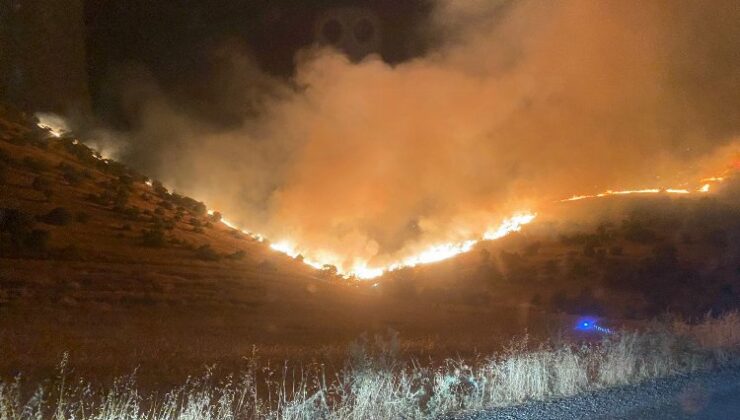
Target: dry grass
375, 384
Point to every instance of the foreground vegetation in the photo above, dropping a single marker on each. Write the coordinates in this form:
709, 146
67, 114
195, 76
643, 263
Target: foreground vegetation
375, 384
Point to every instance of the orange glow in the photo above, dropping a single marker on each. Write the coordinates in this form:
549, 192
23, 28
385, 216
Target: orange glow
434, 253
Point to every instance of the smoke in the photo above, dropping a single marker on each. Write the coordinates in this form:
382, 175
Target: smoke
520, 103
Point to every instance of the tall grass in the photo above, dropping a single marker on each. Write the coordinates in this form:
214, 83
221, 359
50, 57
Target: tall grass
376, 384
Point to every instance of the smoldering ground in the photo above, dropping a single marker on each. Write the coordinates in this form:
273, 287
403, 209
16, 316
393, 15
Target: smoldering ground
518, 104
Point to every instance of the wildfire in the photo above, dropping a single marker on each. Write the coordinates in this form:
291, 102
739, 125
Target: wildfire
438, 252
703, 189
55, 124
431, 254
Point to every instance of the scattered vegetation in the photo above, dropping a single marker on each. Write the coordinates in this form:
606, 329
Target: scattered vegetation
376, 383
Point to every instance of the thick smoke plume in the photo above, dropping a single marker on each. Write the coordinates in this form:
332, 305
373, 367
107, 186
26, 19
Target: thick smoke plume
520, 104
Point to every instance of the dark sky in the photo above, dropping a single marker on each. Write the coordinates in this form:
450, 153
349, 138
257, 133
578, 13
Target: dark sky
173, 39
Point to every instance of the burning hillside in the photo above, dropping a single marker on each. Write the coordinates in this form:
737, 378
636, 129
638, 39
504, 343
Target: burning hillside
367, 166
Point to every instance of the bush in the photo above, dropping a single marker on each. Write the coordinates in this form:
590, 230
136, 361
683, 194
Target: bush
36, 165
82, 217
121, 197
70, 252
215, 217
41, 183
159, 189
206, 253
15, 222
237, 255
266, 266
131, 213
58, 216
200, 209
37, 240
5, 156
154, 238
635, 232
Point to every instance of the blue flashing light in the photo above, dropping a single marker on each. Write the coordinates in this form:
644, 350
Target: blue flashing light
590, 324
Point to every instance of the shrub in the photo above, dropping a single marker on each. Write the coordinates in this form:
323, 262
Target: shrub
200, 209
215, 217
634, 231
121, 197
266, 266
15, 222
5, 156
58, 216
36, 165
70, 252
237, 255
131, 213
154, 238
206, 253
37, 240
159, 189
70, 174
41, 183
82, 217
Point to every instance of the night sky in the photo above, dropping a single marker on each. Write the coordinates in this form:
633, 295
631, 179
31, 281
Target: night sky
173, 39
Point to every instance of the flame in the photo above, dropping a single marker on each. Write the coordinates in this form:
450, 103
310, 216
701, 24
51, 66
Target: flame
55, 124
681, 191
435, 253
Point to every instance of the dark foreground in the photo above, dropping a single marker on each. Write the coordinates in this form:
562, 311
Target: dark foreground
710, 396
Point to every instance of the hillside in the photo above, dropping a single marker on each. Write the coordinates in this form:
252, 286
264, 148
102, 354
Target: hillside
101, 262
